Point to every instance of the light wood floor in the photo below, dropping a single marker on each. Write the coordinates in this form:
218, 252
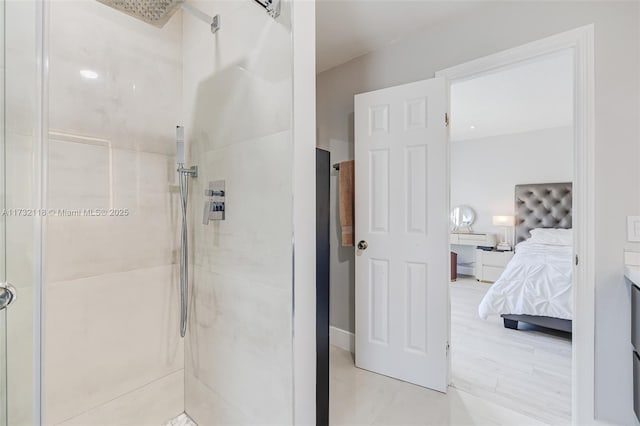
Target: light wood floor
528, 371
360, 397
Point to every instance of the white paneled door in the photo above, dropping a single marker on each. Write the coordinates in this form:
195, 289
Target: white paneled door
402, 225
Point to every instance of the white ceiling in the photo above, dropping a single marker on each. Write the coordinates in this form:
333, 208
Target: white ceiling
346, 29
531, 96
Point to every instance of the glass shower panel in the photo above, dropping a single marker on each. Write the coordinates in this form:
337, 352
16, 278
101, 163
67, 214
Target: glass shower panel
238, 117
20, 211
114, 101
112, 348
3, 266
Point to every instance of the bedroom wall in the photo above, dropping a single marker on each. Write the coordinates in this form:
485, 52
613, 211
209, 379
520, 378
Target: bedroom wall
491, 29
484, 171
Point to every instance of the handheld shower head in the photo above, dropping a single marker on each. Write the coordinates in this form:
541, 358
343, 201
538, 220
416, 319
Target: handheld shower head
180, 144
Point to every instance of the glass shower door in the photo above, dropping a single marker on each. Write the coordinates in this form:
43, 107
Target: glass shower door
3, 313
20, 264
3, 269
3, 332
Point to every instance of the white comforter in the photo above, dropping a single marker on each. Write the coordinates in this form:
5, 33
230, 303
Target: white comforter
537, 281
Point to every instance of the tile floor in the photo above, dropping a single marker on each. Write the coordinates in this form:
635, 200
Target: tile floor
359, 397
500, 377
181, 420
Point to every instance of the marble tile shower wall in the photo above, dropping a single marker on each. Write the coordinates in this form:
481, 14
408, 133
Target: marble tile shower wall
237, 104
112, 352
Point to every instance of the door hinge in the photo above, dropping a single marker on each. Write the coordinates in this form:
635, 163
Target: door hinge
576, 260
446, 119
447, 349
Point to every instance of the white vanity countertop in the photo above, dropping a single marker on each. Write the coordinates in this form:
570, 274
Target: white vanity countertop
633, 273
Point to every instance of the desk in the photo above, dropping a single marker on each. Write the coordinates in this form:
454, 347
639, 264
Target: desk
471, 239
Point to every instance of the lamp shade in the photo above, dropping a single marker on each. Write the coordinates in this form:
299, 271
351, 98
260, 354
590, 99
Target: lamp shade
503, 220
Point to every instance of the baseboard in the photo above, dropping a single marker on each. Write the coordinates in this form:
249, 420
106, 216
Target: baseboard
343, 339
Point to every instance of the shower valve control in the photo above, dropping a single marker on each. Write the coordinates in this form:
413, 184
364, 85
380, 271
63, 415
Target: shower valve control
214, 206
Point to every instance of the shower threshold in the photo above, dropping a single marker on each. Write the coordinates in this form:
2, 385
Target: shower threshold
181, 420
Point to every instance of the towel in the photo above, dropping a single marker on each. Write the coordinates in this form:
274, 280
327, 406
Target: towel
345, 184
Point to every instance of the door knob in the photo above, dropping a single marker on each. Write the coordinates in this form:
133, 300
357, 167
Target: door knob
362, 245
7, 295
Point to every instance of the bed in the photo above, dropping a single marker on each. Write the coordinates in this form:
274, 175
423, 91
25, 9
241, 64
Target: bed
536, 285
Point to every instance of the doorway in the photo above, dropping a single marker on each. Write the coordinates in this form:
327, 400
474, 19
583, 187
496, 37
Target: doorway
511, 174
580, 42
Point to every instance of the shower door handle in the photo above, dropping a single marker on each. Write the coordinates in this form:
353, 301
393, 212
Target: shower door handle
7, 295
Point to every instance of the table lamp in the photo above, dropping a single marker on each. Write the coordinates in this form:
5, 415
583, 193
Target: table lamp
506, 222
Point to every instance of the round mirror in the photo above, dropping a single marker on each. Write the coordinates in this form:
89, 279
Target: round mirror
462, 217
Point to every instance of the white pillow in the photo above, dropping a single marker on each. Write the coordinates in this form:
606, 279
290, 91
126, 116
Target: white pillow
552, 236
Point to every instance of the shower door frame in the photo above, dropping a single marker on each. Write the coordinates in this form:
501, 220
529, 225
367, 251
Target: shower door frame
40, 178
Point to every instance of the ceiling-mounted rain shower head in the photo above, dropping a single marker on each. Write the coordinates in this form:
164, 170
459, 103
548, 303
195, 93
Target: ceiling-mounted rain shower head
154, 12
158, 12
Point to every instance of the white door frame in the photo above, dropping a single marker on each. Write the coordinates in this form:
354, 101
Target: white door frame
581, 41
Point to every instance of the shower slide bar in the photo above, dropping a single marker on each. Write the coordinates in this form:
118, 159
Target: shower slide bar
184, 173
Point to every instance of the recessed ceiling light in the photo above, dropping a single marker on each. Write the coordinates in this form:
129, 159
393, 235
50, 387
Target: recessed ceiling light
88, 74
472, 127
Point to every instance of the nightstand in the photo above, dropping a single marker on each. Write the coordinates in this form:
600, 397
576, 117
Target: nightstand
491, 264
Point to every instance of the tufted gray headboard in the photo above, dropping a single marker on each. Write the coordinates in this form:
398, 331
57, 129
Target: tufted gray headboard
542, 205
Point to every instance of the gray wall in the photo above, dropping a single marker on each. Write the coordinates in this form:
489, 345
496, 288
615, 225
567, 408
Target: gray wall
484, 171
342, 259
496, 27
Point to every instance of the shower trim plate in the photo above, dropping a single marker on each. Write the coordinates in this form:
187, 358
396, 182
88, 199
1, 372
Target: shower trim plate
214, 206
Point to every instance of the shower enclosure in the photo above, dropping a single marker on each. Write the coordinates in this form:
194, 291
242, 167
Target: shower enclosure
91, 213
